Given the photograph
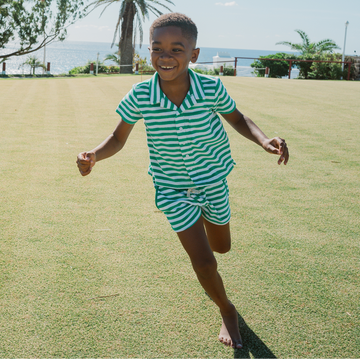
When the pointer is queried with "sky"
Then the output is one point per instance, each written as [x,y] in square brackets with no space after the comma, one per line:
[240,24]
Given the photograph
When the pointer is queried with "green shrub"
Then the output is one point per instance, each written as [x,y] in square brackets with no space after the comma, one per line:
[278,69]
[101,69]
[331,71]
[203,72]
[305,67]
[228,71]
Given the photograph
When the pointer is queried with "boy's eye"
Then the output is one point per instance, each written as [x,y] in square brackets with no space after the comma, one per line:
[156,49]
[177,50]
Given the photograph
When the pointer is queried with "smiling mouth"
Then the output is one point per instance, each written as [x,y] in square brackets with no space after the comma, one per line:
[166,68]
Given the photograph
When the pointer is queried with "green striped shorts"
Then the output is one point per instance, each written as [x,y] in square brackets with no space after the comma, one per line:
[183,207]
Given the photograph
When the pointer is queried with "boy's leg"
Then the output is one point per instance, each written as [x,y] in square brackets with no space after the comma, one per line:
[218,236]
[196,244]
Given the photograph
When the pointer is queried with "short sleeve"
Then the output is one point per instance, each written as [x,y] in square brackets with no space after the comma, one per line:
[223,103]
[128,108]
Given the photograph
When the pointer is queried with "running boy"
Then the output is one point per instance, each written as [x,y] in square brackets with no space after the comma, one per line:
[189,152]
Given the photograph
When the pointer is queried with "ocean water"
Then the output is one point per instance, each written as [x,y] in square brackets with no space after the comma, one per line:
[63,56]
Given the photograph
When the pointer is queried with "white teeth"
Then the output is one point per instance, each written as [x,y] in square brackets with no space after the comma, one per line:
[167,67]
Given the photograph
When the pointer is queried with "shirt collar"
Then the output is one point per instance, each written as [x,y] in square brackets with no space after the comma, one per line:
[196,90]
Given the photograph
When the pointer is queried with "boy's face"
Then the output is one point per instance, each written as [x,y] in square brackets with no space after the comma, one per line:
[171,53]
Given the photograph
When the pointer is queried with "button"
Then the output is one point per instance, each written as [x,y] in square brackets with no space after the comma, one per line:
[181,129]
[187,156]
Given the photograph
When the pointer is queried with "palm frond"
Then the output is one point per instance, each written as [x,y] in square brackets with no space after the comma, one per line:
[154,10]
[327,43]
[304,37]
[139,26]
[142,6]
[287,43]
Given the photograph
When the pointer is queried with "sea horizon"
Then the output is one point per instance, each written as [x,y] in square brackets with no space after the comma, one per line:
[64,56]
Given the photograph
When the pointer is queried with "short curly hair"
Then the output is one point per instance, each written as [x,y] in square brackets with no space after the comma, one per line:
[187,26]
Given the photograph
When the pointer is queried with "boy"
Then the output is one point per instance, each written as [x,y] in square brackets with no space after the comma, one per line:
[189,152]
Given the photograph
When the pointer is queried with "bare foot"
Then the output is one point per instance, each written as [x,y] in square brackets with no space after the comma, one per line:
[229,332]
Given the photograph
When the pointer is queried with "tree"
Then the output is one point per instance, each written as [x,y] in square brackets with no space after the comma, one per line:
[34,63]
[34,24]
[306,47]
[130,11]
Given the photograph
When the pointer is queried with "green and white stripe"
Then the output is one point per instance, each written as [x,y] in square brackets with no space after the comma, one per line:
[188,146]
[184,207]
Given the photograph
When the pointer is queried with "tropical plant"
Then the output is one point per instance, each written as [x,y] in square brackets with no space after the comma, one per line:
[278,68]
[306,47]
[34,63]
[102,68]
[130,11]
[34,24]
[114,57]
[144,66]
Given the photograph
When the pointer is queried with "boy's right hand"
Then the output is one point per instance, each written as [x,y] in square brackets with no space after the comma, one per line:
[85,162]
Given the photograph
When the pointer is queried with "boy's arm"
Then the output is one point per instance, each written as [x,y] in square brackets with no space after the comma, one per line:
[243,125]
[113,144]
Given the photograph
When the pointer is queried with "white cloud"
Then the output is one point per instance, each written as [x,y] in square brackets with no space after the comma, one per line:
[232,3]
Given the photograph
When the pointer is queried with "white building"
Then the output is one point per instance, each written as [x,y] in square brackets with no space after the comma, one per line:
[223,58]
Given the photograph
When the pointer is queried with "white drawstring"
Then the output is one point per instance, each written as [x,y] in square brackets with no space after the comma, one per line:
[193,190]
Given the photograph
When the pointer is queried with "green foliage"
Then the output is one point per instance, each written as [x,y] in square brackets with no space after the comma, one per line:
[102,68]
[328,70]
[305,67]
[203,72]
[34,63]
[278,69]
[114,57]
[144,66]
[307,47]
[131,15]
[228,71]
[35,24]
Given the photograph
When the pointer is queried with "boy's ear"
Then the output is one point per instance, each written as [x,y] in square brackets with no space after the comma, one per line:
[195,55]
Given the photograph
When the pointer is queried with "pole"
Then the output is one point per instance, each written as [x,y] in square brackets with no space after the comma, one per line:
[267,71]
[44,59]
[343,54]
[221,72]
[235,66]
[290,64]
[97,63]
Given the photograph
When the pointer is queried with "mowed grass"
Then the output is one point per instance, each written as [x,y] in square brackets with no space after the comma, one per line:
[91,268]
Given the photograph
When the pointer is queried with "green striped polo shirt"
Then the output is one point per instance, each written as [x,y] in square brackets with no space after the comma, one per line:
[188,145]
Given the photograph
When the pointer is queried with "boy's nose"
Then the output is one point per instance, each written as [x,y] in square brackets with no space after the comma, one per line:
[165,55]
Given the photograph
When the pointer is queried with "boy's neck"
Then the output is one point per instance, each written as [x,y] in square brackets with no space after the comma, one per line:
[177,89]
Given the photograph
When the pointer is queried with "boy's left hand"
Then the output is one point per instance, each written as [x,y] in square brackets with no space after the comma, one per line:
[277,146]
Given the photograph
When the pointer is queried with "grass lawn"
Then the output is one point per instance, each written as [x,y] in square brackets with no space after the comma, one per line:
[90,268]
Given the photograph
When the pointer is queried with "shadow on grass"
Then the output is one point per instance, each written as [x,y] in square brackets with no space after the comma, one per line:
[252,344]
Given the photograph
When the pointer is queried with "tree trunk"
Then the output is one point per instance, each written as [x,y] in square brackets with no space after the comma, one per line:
[126,45]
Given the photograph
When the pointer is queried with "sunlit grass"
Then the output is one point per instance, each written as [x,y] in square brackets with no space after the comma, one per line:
[90,268]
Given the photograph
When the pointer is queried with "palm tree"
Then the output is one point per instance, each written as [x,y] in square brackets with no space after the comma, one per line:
[306,47]
[130,11]
[33,62]
[114,57]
